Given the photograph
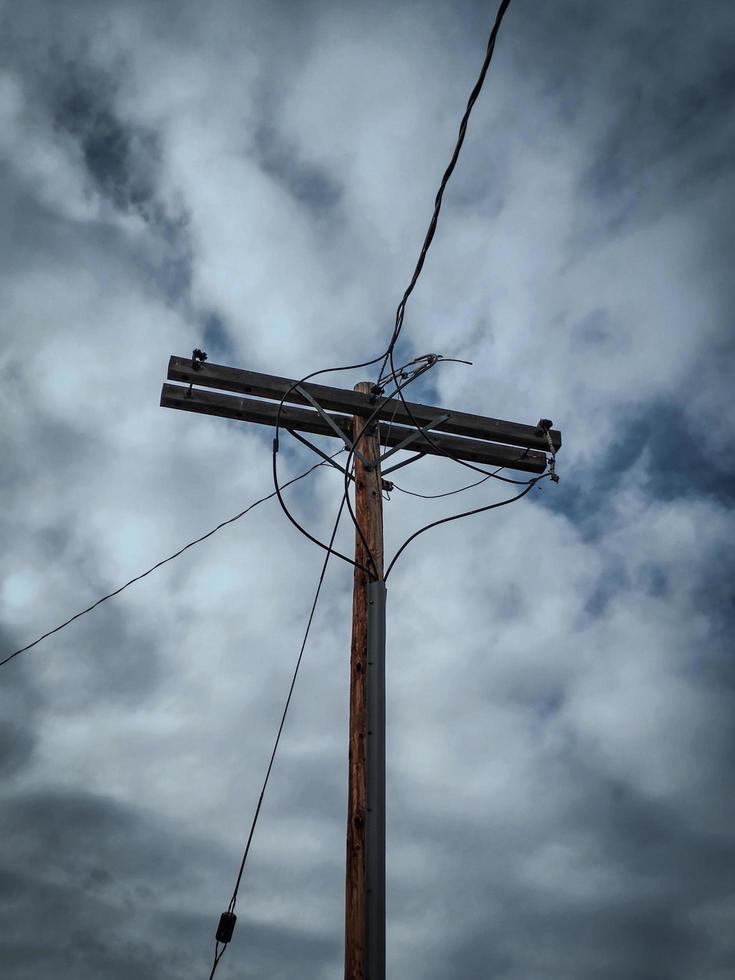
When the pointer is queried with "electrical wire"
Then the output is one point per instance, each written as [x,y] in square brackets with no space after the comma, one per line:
[233,901]
[431,360]
[468,513]
[392,419]
[276,446]
[442,451]
[164,561]
[387,357]
[449,493]
[217,957]
[400,312]
[348,464]
[529,484]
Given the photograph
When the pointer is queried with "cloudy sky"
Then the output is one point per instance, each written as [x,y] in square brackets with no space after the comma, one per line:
[255,178]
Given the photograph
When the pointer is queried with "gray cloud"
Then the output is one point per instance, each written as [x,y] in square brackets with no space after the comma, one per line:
[258,181]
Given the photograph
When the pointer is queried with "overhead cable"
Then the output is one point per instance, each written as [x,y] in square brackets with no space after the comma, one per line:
[227,920]
[400,312]
[468,513]
[387,356]
[448,493]
[430,360]
[164,561]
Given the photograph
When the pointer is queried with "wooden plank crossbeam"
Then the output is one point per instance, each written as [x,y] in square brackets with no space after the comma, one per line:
[250,410]
[356,403]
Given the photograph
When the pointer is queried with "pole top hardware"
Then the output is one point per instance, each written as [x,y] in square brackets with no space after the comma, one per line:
[198,357]
[215,389]
[544,429]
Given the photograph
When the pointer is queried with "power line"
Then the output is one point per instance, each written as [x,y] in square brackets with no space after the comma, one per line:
[388,354]
[468,513]
[448,493]
[164,561]
[229,916]
[527,484]
[431,360]
[400,312]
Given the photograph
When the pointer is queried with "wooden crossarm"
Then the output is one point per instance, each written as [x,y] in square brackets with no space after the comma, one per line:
[264,412]
[356,403]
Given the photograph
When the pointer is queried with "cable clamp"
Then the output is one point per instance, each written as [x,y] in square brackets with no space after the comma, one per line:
[198,357]
[544,427]
[226,927]
[330,420]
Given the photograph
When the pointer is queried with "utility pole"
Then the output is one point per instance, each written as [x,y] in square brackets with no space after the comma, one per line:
[365,878]
[422,430]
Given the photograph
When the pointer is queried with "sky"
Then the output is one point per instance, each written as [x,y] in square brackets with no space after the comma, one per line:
[255,179]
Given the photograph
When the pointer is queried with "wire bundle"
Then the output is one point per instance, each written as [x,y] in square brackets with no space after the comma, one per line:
[398,376]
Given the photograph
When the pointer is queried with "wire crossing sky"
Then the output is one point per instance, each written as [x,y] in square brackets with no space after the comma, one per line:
[153,568]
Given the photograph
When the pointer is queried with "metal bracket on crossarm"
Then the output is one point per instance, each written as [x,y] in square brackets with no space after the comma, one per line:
[411,437]
[406,462]
[333,425]
[544,428]
[317,450]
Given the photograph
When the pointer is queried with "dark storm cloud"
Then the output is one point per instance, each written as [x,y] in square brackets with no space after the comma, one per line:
[16,746]
[91,884]
[20,704]
[648,89]
[619,881]
[113,657]
[216,338]
[270,948]
[123,160]
[43,230]
[309,184]
[107,899]
[120,159]
[679,114]
[74,102]
[663,447]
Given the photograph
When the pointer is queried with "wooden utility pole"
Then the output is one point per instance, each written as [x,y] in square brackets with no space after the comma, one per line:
[369,514]
[419,429]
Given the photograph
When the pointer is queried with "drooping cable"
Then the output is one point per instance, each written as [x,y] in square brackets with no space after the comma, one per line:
[448,493]
[276,446]
[529,484]
[400,313]
[468,513]
[442,451]
[164,561]
[429,360]
[233,901]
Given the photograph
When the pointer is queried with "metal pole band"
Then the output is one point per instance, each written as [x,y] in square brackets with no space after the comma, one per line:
[375,786]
